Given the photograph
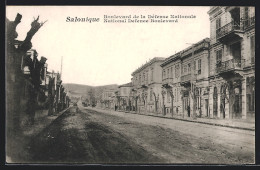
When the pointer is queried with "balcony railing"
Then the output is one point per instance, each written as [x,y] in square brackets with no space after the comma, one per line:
[144,83]
[249,22]
[186,77]
[228,28]
[228,65]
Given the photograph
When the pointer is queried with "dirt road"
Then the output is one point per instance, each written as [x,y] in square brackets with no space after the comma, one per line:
[107,137]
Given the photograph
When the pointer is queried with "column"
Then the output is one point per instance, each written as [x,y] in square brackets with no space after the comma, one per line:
[219,101]
[244,105]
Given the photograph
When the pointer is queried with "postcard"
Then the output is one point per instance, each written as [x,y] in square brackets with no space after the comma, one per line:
[124,85]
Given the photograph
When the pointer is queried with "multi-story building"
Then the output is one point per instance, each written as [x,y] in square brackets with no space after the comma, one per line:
[146,90]
[171,75]
[185,81]
[232,62]
[194,79]
[107,98]
[123,95]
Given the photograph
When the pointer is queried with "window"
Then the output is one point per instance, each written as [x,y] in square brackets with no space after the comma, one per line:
[252,48]
[218,57]
[189,69]
[171,75]
[152,74]
[199,66]
[147,76]
[168,97]
[246,16]
[175,92]
[177,71]
[195,65]
[163,73]
[218,23]
[198,98]
[168,71]
[185,69]
[172,72]
[151,95]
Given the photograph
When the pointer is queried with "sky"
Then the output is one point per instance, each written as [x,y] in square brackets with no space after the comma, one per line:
[101,53]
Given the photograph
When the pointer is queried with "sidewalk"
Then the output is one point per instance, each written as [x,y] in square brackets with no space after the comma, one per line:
[42,120]
[231,123]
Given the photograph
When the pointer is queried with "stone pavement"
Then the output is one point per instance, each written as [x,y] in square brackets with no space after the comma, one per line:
[232,123]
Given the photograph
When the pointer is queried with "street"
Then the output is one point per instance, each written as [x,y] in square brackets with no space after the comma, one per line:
[90,136]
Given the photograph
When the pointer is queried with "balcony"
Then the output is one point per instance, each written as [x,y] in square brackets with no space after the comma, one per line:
[228,68]
[166,82]
[186,78]
[229,31]
[144,84]
[248,23]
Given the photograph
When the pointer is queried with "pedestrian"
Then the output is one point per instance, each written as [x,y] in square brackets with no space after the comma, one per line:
[188,109]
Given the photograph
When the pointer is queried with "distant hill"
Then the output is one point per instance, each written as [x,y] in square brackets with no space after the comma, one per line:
[78,90]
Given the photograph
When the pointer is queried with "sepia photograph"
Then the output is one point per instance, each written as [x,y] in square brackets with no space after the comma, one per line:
[130,85]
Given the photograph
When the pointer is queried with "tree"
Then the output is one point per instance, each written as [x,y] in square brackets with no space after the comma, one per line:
[156,99]
[14,57]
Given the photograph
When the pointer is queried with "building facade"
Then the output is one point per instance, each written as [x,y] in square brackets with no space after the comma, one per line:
[107,99]
[123,96]
[185,81]
[146,90]
[232,62]
[213,78]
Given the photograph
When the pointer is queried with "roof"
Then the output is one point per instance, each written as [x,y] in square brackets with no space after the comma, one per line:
[171,59]
[185,52]
[155,59]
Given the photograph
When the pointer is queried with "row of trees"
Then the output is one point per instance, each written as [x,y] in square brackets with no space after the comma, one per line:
[24,92]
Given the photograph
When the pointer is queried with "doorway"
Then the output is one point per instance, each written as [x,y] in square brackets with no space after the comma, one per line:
[235,50]
[207,107]
[215,102]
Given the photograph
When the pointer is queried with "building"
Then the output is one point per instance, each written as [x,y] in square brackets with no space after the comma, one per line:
[171,75]
[124,97]
[107,99]
[146,90]
[232,62]
[185,79]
